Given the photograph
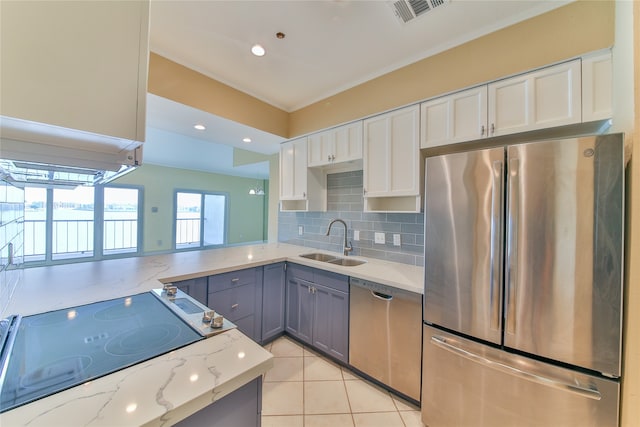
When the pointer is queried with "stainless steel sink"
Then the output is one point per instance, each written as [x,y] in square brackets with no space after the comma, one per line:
[347,262]
[319,257]
[332,259]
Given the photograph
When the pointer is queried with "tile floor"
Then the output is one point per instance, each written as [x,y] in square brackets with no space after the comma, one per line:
[303,389]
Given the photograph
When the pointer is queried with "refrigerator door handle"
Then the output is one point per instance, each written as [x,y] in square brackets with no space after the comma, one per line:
[512,245]
[575,388]
[496,239]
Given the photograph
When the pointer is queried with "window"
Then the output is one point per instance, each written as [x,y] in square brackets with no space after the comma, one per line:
[201,219]
[85,222]
[120,220]
[73,220]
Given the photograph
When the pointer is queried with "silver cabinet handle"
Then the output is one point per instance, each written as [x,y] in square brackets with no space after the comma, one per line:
[234,306]
[235,280]
[496,240]
[493,128]
[482,130]
[575,388]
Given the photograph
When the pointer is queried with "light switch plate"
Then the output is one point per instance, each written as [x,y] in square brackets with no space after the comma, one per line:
[356,235]
[396,240]
[300,230]
[379,238]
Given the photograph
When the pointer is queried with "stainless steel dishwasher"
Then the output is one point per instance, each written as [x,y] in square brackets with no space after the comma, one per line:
[385,335]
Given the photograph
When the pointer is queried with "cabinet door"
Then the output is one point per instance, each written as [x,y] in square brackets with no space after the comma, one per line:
[541,99]
[459,117]
[597,85]
[293,170]
[273,300]
[331,322]
[299,308]
[347,143]
[391,154]
[320,148]
[92,57]
[306,311]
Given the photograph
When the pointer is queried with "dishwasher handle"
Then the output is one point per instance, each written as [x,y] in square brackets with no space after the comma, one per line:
[380,295]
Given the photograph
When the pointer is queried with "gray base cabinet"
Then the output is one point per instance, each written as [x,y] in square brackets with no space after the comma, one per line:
[242,408]
[237,295]
[273,299]
[317,309]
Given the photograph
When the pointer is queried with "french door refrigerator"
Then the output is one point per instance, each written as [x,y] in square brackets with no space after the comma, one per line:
[523,284]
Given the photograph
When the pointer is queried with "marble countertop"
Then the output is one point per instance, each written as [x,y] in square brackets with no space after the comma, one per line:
[67,285]
[158,392]
[166,389]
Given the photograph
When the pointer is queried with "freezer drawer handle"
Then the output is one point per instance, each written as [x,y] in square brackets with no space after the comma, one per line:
[550,382]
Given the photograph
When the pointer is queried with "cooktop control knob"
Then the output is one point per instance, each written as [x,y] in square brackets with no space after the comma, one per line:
[207,316]
[218,321]
[171,291]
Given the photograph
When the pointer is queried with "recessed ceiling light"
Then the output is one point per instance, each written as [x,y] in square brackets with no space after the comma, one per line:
[199,127]
[257,50]
[246,139]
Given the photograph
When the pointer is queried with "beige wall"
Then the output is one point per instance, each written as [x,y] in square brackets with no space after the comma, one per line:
[173,81]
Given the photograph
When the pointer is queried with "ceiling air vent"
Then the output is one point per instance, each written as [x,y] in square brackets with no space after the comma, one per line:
[407,10]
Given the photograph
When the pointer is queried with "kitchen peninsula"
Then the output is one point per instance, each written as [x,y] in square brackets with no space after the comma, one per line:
[168,388]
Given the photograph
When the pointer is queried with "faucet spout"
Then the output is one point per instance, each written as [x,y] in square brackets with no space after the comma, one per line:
[347,246]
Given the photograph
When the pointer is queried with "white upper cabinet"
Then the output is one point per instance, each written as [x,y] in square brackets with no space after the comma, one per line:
[80,65]
[597,85]
[541,99]
[391,161]
[458,117]
[301,188]
[336,146]
[293,170]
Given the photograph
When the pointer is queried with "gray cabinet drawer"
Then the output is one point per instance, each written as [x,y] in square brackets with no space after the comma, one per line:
[234,303]
[223,281]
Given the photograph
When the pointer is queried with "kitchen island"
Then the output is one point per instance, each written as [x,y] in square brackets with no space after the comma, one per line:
[168,388]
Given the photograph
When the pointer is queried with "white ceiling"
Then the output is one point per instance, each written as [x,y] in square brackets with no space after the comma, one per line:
[329,46]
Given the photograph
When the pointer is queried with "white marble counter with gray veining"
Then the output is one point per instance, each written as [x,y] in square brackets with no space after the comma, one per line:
[168,388]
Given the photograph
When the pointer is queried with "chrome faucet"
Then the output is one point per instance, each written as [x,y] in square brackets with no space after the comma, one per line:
[347,246]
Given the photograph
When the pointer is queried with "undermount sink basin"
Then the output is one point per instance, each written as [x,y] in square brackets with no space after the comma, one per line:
[319,257]
[332,259]
[347,262]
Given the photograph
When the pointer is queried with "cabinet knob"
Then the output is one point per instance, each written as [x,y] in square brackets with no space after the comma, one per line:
[364,191]
[482,130]
[328,157]
[333,157]
[304,194]
[493,128]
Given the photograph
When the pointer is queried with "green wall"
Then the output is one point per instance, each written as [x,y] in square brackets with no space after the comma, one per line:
[247,216]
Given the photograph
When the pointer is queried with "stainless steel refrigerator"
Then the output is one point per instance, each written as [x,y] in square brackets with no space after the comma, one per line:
[523,284]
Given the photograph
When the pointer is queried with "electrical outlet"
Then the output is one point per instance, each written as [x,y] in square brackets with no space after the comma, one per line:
[356,235]
[300,230]
[379,238]
[396,240]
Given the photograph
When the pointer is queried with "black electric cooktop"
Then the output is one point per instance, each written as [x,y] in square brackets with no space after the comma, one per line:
[60,349]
